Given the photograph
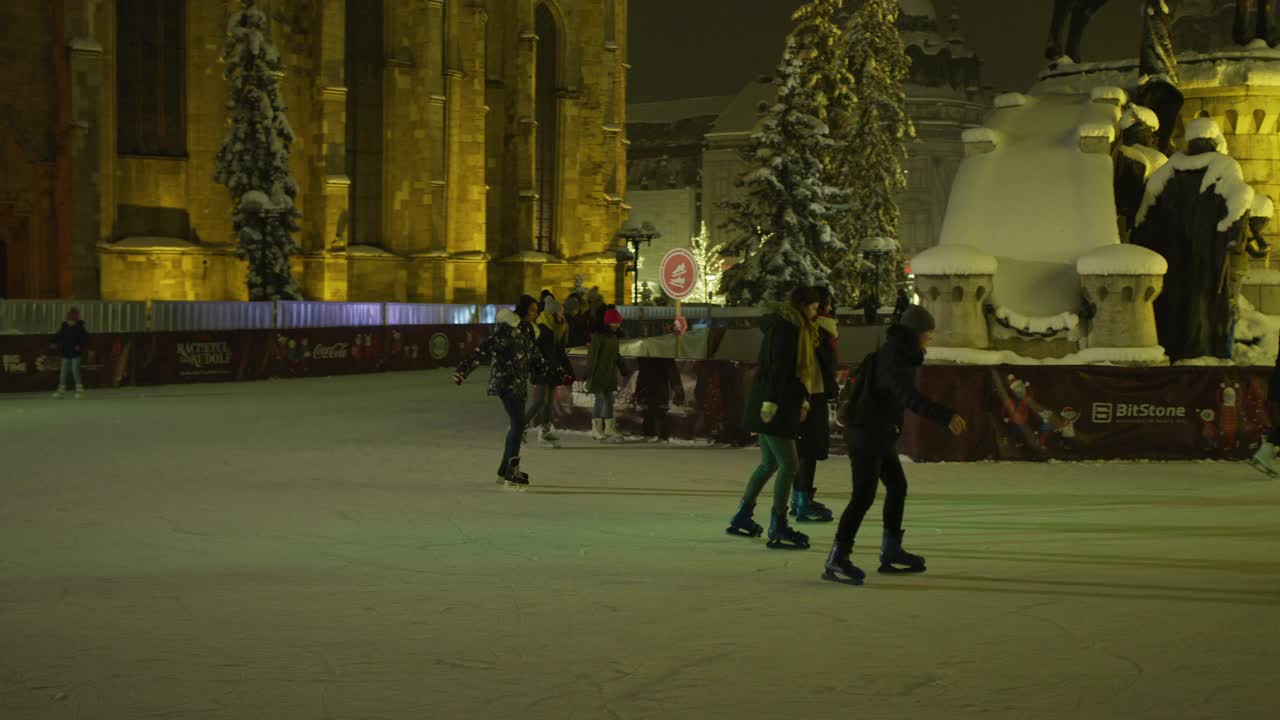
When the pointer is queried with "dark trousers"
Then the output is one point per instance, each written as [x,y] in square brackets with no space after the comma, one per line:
[869,470]
[514,405]
[805,473]
[1273,410]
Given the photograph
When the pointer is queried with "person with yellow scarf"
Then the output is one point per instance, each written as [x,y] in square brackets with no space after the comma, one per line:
[814,439]
[777,406]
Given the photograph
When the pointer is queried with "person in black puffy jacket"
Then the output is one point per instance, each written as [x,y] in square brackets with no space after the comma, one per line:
[553,334]
[71,341]
[513,358]
[873,423]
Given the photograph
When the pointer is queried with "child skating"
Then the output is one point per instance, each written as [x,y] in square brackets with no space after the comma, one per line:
[71,340]
[1265,459]
[873,423]
[604,365]
[513,357]
[777,406]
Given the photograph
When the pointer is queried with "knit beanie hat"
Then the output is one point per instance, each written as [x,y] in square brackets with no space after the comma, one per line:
[612,316]
[550,306]
[917,320]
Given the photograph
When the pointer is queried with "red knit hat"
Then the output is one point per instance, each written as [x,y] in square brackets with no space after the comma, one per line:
[612,317]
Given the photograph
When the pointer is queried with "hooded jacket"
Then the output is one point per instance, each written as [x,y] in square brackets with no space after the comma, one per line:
[776,380]
[71,339]
[874,424]
[512,354]
[604,361]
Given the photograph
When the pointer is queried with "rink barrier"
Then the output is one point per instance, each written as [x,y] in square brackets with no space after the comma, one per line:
[1014,412]
[26,317]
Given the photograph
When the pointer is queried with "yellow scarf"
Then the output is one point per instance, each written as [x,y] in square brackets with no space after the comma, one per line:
[558,326]
[806,356]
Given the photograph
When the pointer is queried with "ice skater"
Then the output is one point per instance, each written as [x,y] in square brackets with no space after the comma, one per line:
[553,334]
[777,406]
[71,340]
[604,365]
[873,423]
[513,356]
[1265,458]
[813,443]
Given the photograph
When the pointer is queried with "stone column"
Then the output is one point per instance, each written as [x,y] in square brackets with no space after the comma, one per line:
[1122,284]
[954,283]
[325,273]
[85,139]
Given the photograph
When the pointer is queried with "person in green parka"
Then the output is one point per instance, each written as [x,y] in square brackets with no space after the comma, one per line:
[787,374]
[604,365]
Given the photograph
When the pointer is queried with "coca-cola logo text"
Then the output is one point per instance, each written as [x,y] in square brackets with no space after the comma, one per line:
[336,351]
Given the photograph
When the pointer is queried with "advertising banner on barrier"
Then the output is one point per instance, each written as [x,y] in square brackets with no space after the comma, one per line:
[192,357]
[321,352]
[30,363]
[1095,413]
[427,347]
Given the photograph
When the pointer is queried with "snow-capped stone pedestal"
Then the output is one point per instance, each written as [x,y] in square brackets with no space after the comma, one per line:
[954,282]
[1122,283]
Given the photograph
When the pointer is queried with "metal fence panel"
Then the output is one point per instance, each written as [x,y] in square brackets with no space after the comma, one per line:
[34,317]
[488,314]
[423,314]
[328,314]
[735,312]
[195,316]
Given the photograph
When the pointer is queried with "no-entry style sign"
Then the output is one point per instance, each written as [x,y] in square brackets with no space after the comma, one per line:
[678,274]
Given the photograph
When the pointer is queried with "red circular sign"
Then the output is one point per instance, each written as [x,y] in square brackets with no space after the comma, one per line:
[679,326]
[678,274]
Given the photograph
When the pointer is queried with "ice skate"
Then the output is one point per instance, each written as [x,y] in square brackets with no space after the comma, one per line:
[549,433]
[806,509]
[1265,460]
[79,392]
[597,429]
[893,559]
[742,524]
[783,537]
[59,393]
[839,568]
[611,433]
[514,478]
[547,440]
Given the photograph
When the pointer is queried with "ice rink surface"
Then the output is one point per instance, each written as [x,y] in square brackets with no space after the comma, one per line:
[338,548]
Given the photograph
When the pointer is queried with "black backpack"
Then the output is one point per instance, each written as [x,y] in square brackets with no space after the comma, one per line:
[857,388]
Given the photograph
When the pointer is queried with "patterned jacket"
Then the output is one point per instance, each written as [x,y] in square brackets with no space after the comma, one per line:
[513,357]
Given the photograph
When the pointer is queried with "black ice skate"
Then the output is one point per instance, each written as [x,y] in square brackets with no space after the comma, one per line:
[783,537]
[839,568]
[742,524]
[805,509]
[511,475]
[893,559]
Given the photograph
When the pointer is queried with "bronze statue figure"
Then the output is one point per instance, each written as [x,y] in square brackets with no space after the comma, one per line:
[1073,16]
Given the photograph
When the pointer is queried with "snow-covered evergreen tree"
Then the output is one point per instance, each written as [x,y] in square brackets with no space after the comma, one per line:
[819,39]
[254,159]
[872,151]
[780,227]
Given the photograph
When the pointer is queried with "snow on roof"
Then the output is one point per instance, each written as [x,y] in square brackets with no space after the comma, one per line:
[918,8]
[953,260]
[980,135]
[742,114]
[1009,100]
[1227,68]
[1036,203]
[153,243]
[1097,130]
[672,111]
[1135,113]
[1222,175]
[1109,93]
[1122,260]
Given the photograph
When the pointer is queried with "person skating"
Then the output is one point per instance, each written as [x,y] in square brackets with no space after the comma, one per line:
[71,340]
[873,423]
[777,406]
[1265,458]
[604,365]
[813,443]
[513,357]
[553,334]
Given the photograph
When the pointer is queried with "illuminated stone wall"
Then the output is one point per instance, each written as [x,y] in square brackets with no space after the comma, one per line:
[454,189]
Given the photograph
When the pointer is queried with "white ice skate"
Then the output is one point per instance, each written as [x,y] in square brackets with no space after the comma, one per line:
[79,392]
[611,433]
[1265,460]
[547,440]
[597,429]
[59,393]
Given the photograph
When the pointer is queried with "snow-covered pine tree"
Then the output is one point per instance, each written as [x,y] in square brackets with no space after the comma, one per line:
[873,149]
[254,159]
[780,226]
[819,38]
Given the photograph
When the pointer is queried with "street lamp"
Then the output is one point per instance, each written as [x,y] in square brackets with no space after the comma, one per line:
[636,235]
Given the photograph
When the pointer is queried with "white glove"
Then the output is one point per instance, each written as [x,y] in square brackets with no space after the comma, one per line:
[768,410]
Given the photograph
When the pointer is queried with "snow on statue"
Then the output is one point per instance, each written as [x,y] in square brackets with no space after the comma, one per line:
[254,159]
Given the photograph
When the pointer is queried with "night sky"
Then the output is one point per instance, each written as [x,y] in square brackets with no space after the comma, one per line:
[691,48]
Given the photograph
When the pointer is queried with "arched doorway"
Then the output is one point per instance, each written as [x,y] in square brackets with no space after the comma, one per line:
[546,82]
